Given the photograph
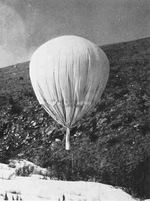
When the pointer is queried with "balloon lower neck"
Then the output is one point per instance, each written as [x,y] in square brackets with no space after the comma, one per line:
[68,139]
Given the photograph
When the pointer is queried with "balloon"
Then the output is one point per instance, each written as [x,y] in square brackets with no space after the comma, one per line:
[68,75]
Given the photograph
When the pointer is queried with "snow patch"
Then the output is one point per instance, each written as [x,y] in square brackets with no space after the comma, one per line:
[33,188]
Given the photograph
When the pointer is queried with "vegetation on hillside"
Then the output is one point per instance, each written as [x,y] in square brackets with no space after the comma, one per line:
[110,145]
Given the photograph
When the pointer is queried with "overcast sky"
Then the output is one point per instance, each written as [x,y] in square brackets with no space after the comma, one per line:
[26,24]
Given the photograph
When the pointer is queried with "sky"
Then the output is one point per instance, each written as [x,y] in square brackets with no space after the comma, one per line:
[27,24]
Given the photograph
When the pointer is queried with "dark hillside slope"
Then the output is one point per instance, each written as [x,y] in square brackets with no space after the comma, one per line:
[112,144]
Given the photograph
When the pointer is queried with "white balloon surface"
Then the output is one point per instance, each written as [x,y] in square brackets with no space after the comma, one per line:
[69,75]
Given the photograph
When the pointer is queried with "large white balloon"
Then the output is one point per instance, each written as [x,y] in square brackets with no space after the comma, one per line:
[68,75]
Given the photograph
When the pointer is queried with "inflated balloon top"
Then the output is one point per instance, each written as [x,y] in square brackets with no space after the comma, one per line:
[68,75]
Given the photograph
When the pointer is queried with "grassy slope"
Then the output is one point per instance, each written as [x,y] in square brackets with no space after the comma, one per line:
[116,135]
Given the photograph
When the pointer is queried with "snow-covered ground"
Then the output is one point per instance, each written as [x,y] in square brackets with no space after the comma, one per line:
[35,188]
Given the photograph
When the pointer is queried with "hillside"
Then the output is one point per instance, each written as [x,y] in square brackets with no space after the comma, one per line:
[111,145]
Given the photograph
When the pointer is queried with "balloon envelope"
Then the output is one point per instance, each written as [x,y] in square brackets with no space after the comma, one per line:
[68,75]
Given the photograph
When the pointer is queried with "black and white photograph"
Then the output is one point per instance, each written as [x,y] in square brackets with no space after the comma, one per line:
[75,100]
